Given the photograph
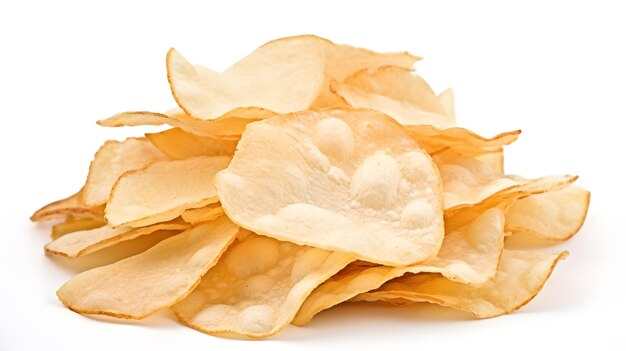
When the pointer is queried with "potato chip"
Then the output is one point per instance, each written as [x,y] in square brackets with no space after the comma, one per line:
[141,285]
[257,288]
[72,224]
[222,128]
[163,190]
[178,144]
[396,92]
[494,160]
[554,215]
[70,206]
[344,180]
[111,161]
[460,140]
[84,242]
[202,214]
[281,76]
[521,275]
[468,255]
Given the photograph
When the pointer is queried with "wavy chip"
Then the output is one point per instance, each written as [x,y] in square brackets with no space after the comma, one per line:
[553,215]
[396,92]
[80,243]
[141,285]
[178,144]
[163,191]
[113,159]
[72,224]
[460,140]
[70,206]
[202,214]
[446,98]
[346,180]
[521,275]
[257,288]
[468,255]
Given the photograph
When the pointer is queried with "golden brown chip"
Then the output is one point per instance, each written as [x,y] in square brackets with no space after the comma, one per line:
[163,191]
[257,288]
[178,144]
[141,285]
[70,206]
[346,180]
[396,92]
[72,224]
[520,277]
[554,215]
[202,214]
[84,242]
[469,255]
[113,159]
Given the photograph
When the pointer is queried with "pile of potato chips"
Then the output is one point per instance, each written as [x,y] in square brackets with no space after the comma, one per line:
[306,175]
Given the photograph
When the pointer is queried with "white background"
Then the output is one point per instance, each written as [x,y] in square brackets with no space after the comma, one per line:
[554,70]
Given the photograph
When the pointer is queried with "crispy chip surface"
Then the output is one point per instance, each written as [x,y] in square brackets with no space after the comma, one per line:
[554,215]
[163,191]
[70,206]
[344,180]
[396,92]
[178,144]
[521,275]
[469,255]
[113,159]
[257,288]
[153,280]
[72,224]
[84,242]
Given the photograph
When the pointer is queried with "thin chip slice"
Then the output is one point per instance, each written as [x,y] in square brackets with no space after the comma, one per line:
[520,277]
[178,144]
[222,128]
[72,224]
[460,140]
[494,160]
[84,242]
[554,215]
[202,214]
[281,76]
[257,288]
[346,180]
[396,92]
[113,159]
[469,255]
[163,191]
[70,206]
[141,285]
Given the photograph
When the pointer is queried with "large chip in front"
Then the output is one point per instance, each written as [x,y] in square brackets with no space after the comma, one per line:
[346,180]
[258,287]
[153,280]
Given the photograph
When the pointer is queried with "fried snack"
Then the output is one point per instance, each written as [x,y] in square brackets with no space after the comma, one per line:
[141,285]
[346,180]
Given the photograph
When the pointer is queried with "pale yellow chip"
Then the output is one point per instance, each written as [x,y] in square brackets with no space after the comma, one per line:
[141,285]
[469,255]
[257,288]
[163,191]
[460,140]
[229,128]
[113,159]
[396,92]
[494,160]
[521,275]
[70,206]
[202,214]
[281,76]
[178,144]
[554,215]
[80,243]
[346,180]
[72,224]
